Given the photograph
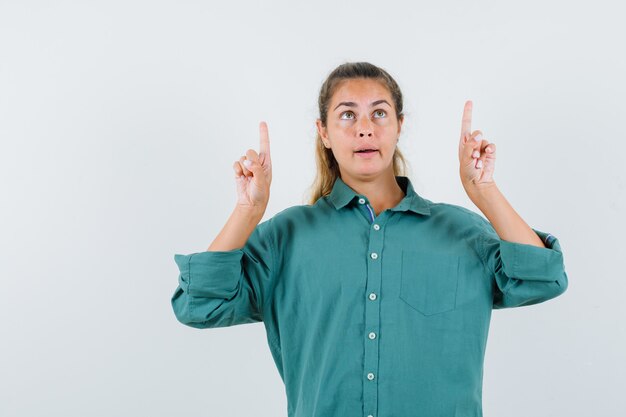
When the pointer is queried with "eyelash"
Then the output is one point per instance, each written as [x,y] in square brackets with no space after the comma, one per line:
[345,112]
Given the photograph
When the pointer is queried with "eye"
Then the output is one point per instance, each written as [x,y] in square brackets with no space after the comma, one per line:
[384,113]
[346,112]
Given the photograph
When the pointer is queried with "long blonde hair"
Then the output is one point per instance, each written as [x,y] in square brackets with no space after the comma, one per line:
[327,167]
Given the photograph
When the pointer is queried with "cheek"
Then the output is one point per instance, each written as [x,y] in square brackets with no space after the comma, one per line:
[389,124]
[337,128]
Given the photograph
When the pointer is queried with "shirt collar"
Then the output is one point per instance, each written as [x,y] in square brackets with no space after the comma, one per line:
[342,194]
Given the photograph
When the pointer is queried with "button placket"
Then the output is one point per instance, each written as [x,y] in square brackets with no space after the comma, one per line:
[372,312]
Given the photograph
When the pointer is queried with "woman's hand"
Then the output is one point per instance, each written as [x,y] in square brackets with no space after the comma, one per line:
[477,156]
[253,174]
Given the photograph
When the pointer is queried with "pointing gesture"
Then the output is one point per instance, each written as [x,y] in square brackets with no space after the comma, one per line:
[253,174]
[477,156]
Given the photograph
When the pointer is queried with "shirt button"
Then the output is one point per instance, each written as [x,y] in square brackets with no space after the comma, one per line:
[376,227]
[370,376]
[361,200]
[372,296]
[372,335]
[374,255]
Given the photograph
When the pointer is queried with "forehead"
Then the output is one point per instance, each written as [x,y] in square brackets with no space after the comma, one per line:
[360,89]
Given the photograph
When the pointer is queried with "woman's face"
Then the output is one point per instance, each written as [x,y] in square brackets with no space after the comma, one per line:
[361,115]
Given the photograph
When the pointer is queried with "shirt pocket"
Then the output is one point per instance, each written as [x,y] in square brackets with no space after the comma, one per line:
[428,281]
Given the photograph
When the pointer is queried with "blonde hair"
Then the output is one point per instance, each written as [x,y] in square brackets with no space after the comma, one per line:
[327,167]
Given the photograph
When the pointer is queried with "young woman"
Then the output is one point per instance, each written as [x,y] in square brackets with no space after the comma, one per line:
[376,300]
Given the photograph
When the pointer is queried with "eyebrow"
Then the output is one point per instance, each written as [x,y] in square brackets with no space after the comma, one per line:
[353,104]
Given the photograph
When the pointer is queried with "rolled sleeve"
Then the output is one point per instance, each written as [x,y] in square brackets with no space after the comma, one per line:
[224,288]
[524,274]
[210,274]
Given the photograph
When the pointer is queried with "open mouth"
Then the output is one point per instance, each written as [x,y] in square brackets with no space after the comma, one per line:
[367,151]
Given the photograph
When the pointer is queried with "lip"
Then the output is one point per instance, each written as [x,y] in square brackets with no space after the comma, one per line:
[367,154]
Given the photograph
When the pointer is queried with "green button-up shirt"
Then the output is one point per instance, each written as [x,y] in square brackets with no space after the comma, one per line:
[383,316]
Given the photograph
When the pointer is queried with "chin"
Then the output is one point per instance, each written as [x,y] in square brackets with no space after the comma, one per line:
[369,172]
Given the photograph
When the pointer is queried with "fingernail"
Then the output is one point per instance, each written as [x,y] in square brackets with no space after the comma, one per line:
[478,137]
[476,154]
[479,164]
[247,163]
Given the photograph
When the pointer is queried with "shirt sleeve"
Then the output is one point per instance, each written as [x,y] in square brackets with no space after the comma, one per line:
[225,288]
[523,274]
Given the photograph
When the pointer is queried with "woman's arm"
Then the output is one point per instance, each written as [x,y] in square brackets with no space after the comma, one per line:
[524,270]
[477,159]
[225,285]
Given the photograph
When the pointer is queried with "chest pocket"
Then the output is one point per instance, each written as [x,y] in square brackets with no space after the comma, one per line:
[429,281]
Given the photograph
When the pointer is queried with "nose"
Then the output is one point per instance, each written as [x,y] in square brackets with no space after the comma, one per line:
[365,128]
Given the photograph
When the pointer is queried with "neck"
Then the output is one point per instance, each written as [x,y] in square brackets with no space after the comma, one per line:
[383,193]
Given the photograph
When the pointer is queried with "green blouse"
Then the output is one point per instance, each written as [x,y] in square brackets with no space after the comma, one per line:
[371,315]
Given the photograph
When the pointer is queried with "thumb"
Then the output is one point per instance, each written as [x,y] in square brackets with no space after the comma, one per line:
[256,168]
[472,144]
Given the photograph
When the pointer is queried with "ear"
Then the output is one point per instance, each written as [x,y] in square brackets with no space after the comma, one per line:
[400,121]
[321,129]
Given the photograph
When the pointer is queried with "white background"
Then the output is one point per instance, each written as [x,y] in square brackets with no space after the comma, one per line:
[119,125]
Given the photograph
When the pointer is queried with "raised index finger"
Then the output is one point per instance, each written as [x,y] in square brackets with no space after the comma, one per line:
[265,139]
[466,123]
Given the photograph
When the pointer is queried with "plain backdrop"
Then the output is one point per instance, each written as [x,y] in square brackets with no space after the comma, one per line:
[119,125]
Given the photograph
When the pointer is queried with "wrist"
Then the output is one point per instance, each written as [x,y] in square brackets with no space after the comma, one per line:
[252,212]
[481,192]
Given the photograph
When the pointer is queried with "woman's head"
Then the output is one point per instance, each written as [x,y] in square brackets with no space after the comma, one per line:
[360,106]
